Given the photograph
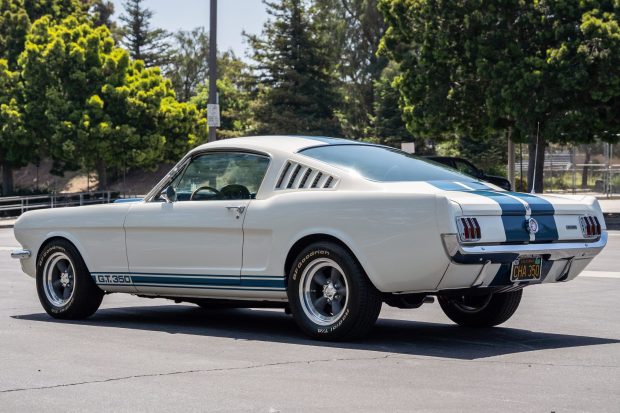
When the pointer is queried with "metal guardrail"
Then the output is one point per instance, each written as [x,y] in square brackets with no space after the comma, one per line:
[16,205]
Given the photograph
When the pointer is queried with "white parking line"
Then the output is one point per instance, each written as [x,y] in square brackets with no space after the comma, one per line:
[600,274]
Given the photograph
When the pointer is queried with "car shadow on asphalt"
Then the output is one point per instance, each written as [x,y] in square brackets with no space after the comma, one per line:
[389,335]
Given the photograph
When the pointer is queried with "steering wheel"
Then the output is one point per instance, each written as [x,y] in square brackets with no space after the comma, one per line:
[235,191]
[217,193]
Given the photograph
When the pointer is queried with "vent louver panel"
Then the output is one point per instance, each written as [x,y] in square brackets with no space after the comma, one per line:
[316,180]
[291,180]
[297,176]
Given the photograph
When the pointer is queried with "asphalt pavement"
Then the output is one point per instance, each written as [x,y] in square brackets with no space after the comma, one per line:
[559,353]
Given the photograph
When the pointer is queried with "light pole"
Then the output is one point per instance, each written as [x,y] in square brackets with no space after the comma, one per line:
[213,109]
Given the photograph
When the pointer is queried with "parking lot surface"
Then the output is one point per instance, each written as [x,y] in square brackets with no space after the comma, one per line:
[560,352]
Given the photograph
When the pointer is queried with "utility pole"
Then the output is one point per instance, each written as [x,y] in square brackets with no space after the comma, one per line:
[213,109]
[511,160]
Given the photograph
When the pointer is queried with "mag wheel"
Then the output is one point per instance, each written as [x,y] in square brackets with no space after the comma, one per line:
[64,285]
[481,310]
[330,296]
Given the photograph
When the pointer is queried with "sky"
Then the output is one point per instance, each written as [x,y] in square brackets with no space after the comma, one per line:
[234,16]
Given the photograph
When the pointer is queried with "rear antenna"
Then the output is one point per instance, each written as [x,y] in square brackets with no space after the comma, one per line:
[535,158]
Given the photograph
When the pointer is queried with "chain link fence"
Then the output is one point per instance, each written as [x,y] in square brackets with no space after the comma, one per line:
[589,169]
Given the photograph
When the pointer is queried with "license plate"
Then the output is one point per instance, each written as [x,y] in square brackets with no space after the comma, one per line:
[526,269]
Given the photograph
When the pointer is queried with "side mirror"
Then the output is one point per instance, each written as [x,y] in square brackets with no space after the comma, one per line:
[170,194]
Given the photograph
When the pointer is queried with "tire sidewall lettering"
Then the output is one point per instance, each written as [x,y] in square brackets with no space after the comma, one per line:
[334,327]
[43,258]
[299,267]
[302,263]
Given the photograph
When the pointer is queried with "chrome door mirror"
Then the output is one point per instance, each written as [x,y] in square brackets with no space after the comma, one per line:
[169,194]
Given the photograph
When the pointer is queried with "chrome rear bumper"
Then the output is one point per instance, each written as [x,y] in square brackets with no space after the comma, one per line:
[20,254]
[467,254]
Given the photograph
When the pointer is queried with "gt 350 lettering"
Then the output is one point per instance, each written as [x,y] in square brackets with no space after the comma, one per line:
[113,279]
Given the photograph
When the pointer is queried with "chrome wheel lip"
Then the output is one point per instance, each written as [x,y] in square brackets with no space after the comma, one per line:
[55,281]
[306,291]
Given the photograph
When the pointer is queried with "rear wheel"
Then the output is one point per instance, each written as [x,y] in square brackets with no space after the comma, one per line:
[64,284]
[481,310]
[329,294]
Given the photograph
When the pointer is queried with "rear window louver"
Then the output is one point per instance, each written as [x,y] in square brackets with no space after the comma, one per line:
[297,176]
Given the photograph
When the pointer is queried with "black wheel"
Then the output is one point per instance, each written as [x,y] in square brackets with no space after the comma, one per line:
[481,310]
[329,294]
[64,284]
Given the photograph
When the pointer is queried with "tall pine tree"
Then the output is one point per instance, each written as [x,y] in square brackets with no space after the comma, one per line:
[143,43]
[296,92]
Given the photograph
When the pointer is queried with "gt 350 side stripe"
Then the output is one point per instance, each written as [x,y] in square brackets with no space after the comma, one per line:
[191,281]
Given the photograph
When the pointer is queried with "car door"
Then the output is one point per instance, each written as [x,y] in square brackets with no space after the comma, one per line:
[194,243]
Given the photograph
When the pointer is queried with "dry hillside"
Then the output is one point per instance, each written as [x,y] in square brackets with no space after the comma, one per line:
[136,182]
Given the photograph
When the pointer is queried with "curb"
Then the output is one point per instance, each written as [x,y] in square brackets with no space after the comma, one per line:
[612,220]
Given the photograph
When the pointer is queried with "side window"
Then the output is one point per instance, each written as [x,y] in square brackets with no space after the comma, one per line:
[221,175]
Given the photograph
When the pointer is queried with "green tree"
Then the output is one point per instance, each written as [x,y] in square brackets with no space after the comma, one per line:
[355,29]
[144,43]
[17,145]
[14,143]
[235,97]
[97,108]
[389,128]
[101,12]
[479,68]
[297,91]
[188,65]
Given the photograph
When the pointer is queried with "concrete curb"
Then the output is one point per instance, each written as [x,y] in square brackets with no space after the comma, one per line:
[612,220]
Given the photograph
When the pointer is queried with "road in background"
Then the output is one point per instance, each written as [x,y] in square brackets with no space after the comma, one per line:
[560,352]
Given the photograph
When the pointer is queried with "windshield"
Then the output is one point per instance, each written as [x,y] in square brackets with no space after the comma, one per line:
[383,164]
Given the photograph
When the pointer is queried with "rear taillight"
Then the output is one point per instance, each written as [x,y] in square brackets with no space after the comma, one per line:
[469,229]
[590,226]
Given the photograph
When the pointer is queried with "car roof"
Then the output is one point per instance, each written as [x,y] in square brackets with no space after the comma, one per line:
[287,143]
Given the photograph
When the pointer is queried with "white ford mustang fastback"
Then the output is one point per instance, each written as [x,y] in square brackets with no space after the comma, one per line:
[327,228]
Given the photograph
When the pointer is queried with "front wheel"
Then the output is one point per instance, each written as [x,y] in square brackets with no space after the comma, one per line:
[481,310]
[64,284]
[330,296]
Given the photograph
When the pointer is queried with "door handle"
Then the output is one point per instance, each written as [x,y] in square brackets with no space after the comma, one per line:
[239,209]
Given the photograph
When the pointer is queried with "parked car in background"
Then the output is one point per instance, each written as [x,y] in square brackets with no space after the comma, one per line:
[468,168]
[328,228]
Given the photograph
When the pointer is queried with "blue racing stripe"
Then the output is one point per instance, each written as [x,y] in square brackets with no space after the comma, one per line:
[454,186]
[146,279]
[197,281]
[513,211]
[513,215]
[509,205]
[539,206]
[542,212]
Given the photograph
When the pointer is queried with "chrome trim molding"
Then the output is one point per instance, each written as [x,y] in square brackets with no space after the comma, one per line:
[20,254]
[558,250]
[482,275]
